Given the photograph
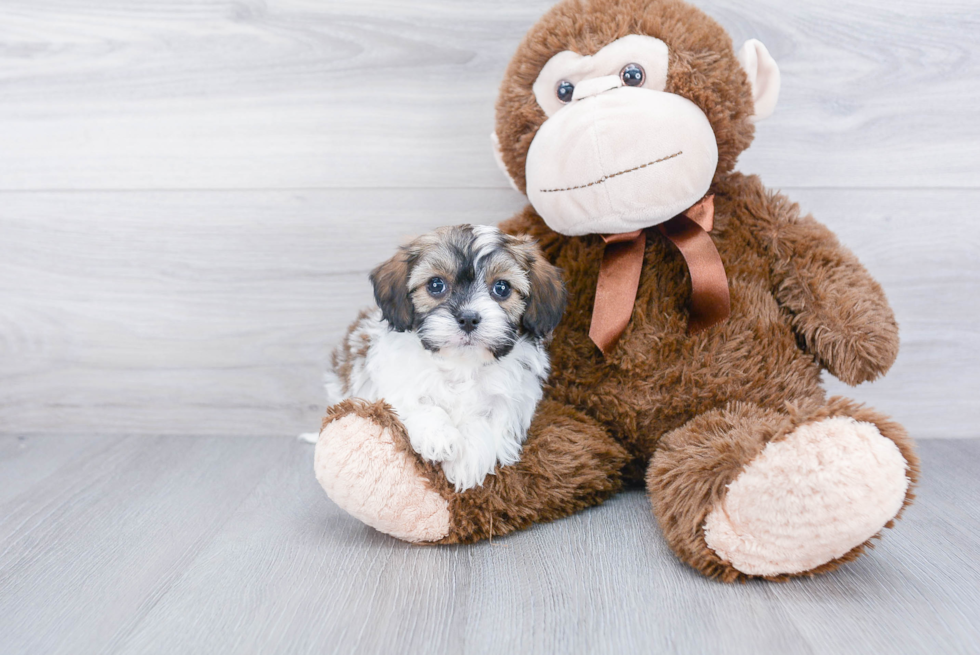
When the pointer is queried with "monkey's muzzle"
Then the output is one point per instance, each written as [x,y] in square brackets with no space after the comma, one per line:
[620,160]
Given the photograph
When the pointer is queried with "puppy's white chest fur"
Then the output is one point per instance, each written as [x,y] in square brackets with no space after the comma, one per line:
[460,406]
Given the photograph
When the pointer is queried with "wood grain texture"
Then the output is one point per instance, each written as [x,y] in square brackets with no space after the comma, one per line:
[26,462]
[87,552]
[215,312]
[223,94]
[230,546]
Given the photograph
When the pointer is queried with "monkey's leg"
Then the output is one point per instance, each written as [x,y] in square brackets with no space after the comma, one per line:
[366,465]
[750,492]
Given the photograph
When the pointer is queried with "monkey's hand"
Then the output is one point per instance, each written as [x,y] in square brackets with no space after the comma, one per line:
[839,310]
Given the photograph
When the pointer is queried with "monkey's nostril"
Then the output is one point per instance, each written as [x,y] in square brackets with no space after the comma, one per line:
[468,321]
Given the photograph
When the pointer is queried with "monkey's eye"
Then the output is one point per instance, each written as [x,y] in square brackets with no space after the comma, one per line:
[500,289]
[564,91]
[436,287]
[632,75]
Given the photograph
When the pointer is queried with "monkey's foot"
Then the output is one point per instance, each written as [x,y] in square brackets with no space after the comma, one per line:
[364,464]
[811,498]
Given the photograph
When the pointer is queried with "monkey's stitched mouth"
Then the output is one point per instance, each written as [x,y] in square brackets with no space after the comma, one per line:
[609,177]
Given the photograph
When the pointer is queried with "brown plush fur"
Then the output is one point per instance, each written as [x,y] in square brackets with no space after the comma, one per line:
[658,377]
[689,412]
[568,463]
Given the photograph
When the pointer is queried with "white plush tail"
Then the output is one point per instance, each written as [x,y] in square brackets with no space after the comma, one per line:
[308,437]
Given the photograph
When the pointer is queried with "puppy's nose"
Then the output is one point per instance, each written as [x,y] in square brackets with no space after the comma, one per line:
[468,320]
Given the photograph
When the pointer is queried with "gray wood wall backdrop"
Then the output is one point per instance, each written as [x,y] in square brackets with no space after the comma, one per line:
[192,191]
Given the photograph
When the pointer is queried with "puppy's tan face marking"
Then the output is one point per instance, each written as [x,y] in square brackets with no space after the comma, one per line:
[439,254]
[470,286]
[426,270]
[503,266]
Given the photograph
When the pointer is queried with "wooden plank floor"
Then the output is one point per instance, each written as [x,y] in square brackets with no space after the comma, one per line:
[228,545]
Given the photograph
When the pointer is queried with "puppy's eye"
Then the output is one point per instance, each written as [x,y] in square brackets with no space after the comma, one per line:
[500,289]
[632,75]
[436,287]
[564,91]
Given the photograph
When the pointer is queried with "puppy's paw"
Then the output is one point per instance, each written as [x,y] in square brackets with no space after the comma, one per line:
[432,434]
[464,473]
[441,446]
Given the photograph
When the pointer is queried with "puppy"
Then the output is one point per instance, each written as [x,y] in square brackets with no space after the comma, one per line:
[457,346]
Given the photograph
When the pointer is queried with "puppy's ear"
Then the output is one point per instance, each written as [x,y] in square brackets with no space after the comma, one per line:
[390,282]
[546,300]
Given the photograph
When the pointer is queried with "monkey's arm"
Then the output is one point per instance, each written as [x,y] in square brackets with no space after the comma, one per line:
[569,463]
[838,309]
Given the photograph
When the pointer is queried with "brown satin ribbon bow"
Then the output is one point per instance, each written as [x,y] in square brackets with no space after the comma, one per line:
[619,275]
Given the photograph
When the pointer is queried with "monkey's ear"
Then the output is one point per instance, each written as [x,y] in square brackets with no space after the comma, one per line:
[763,76]
[499,158]
[390,282]
[546,299]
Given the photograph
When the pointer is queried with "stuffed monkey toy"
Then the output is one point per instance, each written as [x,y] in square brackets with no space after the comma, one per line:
[702,309]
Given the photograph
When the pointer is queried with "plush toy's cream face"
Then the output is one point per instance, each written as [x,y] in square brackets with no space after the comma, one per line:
[618,151]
